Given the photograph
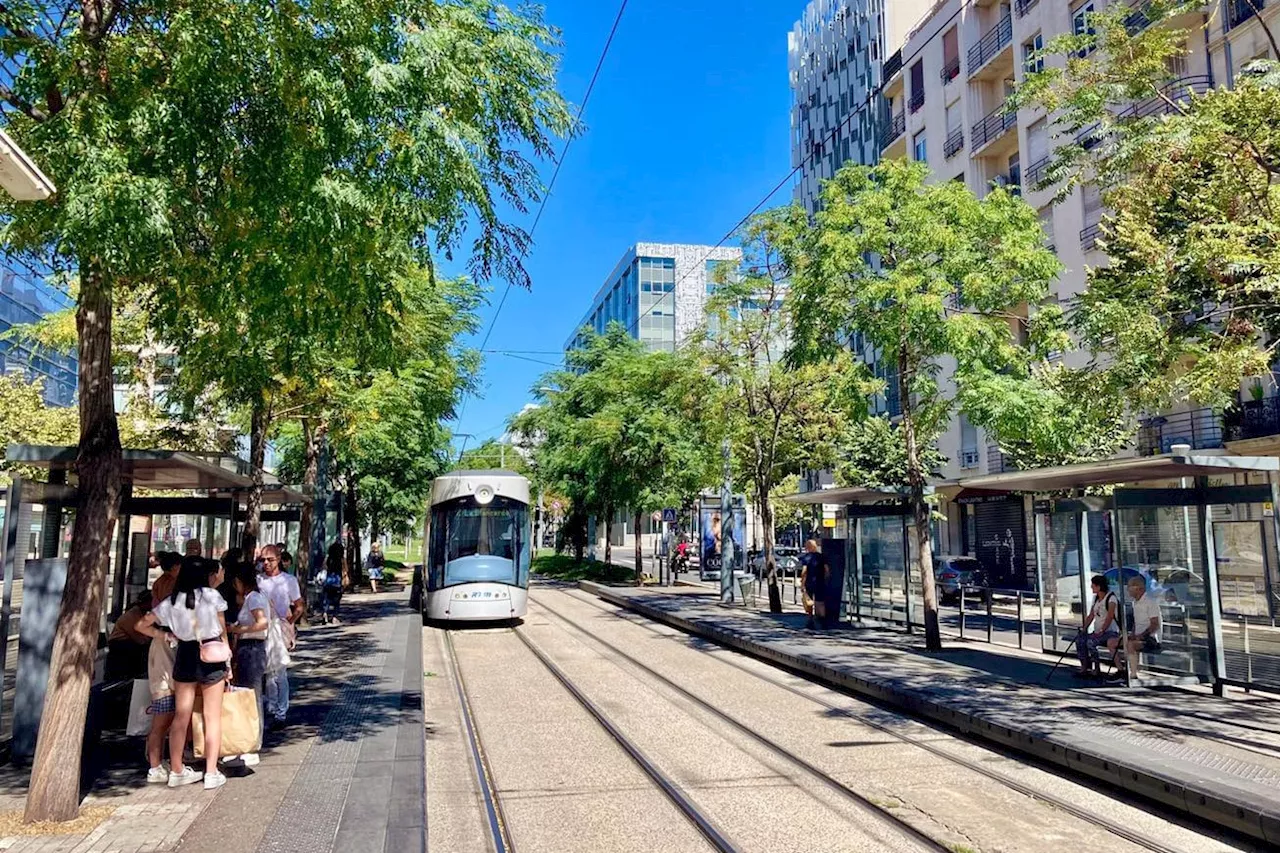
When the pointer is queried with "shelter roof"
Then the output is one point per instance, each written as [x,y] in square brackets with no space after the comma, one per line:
[149,469]
[1201,463]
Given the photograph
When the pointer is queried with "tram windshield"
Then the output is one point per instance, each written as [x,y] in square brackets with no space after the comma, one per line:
[474,543]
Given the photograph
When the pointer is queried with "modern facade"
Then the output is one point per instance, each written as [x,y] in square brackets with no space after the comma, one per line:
[657,291]
[839,52]
[944,105]
[25,297]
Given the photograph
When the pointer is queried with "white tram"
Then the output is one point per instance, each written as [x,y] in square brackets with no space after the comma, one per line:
[479,545]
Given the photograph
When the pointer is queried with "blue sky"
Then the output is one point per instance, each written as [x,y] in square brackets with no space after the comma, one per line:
[687,129]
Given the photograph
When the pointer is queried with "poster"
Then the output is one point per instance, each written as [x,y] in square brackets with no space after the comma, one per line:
[714,533]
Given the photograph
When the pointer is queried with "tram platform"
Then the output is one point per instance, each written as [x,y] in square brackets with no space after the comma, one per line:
[1215,759]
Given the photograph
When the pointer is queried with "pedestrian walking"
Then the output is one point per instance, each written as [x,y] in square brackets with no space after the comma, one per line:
[285,597]
[160,669]
[374,564]
[333,581]
[250,632]
[193,613]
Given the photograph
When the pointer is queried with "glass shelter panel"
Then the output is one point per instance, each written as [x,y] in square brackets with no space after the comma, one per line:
[880,582]
[1160,551]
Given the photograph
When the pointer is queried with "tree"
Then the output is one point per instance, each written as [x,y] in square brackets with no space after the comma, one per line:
[252,159]
[925,273]
[616,429]
[779,418]
[25,419]
[1188,303]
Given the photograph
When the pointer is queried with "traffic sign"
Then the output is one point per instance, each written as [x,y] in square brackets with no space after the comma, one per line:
[669,516]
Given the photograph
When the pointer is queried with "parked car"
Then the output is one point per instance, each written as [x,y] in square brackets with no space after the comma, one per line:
[953,573]
[785,558]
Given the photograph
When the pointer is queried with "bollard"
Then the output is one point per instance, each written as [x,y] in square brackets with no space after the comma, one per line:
[962,611]
[1020,629]
[989,626]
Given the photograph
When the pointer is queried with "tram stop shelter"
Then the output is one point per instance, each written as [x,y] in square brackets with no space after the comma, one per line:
[870,547]
[1198,529]
[169,497]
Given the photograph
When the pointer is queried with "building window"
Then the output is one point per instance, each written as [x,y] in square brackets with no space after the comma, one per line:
[1081,24]
[918,147]
[917,87]
[1032,54]
[1046,223]
[950,55]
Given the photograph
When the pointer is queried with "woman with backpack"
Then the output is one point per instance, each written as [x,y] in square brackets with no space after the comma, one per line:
[374,564]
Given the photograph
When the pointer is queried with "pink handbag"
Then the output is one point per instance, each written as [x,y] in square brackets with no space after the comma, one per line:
[215,650]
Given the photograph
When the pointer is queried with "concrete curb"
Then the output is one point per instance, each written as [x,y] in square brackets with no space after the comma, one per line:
[1150,780]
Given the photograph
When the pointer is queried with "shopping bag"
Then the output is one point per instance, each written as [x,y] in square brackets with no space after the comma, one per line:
[277,648]
[241,727]
[139,722]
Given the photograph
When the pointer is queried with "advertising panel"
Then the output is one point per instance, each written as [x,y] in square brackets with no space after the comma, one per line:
[714,533]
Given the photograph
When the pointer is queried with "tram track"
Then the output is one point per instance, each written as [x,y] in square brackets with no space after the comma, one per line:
[1110,826]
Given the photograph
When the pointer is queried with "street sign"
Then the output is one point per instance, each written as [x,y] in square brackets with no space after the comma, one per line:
[669,516]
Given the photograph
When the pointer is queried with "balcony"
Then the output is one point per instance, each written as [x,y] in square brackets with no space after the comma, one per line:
[1173,93]
[916,102]
[1199,428]
[1025,6]
[990,45]
[1089,236]
[1252,419]
[1036,171]
[892,65]
[970,457]
[895,128]
[1239,11]
[1011,182]
[954,143]
[996,124]
[950,71]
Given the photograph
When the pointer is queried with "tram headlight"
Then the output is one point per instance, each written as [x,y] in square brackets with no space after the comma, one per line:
[484,494]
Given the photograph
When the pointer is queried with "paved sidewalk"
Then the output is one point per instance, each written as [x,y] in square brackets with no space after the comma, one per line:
[346,774]
[1217,759]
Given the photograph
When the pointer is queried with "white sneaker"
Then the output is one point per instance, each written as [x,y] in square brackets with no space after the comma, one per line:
[186,777]
[214,780]
[250,759]
[158,775]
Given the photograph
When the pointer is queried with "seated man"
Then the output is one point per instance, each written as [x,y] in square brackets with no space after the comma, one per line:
[127,647]
[1146,625]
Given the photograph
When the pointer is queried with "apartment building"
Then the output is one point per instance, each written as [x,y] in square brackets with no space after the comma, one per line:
[944,105]
[837,55]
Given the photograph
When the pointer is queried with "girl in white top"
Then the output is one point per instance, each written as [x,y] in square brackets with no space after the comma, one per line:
[193,614]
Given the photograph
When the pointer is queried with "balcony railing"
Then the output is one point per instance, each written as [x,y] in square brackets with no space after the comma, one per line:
[1239,11]
[1171,94]
[1252,419]
[1025,6]
[892,65]
[954,143]
[917,101]
[1089,236]
[1035,172]
[993,126]
[895,128]
[1138,20]
[950,70]
[996,40]
[1199,428]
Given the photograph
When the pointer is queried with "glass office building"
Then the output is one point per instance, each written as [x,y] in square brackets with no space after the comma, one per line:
[25,296]
[656,292]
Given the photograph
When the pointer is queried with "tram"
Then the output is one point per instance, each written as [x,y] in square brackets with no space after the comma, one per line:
[479,545]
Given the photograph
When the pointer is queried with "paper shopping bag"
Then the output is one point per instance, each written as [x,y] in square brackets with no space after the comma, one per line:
[139,720]
[241,729]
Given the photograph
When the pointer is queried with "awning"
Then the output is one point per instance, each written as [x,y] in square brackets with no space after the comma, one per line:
[147,469]
[1203,463]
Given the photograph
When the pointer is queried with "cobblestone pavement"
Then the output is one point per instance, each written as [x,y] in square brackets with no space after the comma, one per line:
[345,775]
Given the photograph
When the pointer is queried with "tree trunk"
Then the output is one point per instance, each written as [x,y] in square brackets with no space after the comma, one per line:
[311,450]
[608,535]
[639,548]
[919,514]
[258,422]
[54,792]
[355,567]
